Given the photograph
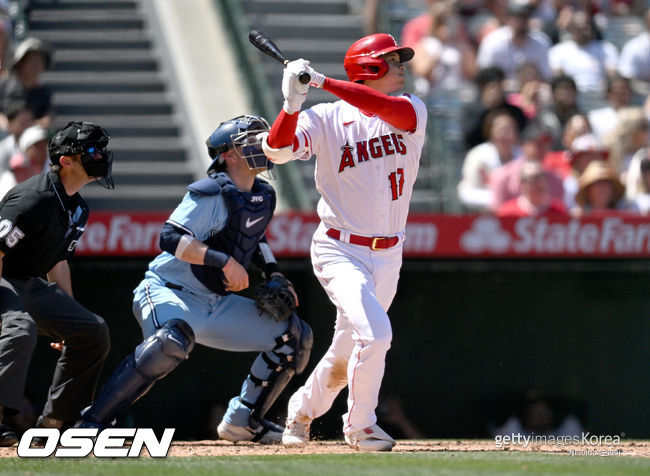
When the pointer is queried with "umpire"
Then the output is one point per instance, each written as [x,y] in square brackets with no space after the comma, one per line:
[41,221]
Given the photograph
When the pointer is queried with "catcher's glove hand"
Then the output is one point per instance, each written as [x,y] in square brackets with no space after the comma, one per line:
[274,297]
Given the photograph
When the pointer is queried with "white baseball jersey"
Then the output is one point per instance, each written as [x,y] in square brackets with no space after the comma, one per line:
[365,168]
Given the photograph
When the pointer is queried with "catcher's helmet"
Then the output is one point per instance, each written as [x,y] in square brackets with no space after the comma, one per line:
[363,59]
[244,134]
[90,141]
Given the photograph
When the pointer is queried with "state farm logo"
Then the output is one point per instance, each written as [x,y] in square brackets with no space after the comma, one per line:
[121,234]
[611,235]
[485,235]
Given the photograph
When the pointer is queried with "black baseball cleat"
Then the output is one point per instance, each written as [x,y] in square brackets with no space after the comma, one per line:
[8,436]
[44,422]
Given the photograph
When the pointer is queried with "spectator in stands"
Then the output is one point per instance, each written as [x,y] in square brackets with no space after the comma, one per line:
[474,188]
[564,94]
[559,161]
[19,118]
[533,93]
[584,150]
[619,95]
[557,28]
[491,97]
[515,44]
[6,34]
[629,135]
[443,59]
[29,161]
[505,182]
[637,189]
[599,190]
[587,60]
[482,17]
[31,58]
[417,28]
[535,198]
[634,61]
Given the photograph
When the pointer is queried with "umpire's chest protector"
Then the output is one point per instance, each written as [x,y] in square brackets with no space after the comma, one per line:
[249,213]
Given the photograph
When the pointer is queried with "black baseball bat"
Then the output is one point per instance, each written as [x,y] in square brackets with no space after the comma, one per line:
[266,45]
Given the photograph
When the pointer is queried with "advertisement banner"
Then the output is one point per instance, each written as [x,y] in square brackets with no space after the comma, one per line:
[427,236]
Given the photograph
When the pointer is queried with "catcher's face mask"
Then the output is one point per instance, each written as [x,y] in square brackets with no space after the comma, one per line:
[248,143]
[244,135]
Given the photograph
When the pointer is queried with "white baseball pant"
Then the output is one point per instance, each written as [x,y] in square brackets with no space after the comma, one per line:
[361,283]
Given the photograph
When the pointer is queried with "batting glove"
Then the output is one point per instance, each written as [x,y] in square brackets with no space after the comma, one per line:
[293,90]
[317,79]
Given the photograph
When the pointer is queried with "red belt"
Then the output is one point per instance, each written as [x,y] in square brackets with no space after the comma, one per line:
[374,242]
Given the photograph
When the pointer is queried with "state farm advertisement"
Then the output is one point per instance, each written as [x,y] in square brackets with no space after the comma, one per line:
[121,234]
[427,236]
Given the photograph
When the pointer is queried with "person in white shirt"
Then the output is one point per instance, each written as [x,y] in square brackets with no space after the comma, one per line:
[619,95]
[444,58]
[587,60]
[634,61]
[474,188]
[515,44]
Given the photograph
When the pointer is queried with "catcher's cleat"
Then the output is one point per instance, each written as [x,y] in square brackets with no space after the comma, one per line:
[295,433]
[267,433]
[8,436]
[370,439]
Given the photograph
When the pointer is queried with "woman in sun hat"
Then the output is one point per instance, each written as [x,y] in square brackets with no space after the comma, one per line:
[599,190]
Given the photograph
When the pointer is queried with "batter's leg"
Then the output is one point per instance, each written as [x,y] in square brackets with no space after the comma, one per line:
[327,379]
[351,287]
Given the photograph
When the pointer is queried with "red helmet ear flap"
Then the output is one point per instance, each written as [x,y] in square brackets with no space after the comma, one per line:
[362,68]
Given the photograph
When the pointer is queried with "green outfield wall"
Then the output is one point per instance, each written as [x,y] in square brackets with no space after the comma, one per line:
[471,338]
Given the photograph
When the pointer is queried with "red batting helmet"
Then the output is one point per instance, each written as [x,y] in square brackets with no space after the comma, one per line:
[363,59]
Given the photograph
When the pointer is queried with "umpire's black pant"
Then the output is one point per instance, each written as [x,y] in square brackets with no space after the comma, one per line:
[32,306]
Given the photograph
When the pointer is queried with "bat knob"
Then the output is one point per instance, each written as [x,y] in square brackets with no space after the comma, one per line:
[304,78]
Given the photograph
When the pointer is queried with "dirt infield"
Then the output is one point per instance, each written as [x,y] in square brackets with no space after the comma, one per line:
[223,448]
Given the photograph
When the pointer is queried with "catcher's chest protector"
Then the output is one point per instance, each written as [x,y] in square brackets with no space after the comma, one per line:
[249,213]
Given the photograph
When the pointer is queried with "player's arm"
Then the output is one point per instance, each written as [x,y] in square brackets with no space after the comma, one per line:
[397,111]
[60,274]
[2,255]
[179,241]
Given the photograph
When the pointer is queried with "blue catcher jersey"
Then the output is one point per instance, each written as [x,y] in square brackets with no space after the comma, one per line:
[217,213]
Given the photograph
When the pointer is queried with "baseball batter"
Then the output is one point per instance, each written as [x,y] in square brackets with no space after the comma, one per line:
[367,149]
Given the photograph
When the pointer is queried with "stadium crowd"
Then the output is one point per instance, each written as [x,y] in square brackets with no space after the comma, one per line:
[544,95]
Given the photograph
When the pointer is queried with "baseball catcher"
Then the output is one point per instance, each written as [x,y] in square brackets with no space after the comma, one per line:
[186,297]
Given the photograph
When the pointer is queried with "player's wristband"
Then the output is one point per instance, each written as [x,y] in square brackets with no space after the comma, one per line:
[215,258]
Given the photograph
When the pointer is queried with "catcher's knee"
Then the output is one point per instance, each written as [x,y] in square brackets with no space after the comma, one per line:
[161,352]
[300,338]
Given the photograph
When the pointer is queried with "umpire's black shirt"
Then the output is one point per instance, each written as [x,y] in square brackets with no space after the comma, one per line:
[39,225]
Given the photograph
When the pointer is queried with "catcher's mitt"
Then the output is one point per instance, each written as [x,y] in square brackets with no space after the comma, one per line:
[273,297]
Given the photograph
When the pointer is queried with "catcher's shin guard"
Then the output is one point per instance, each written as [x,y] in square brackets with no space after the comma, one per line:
[300,339]
[154,358]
